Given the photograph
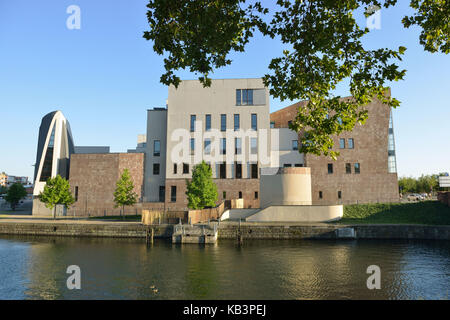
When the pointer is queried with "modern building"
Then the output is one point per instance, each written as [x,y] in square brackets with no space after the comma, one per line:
[229,126]
[8,180]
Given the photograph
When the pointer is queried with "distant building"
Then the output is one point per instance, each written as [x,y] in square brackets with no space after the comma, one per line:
[8,180]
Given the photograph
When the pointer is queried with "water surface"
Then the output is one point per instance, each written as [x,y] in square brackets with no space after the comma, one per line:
[35,268]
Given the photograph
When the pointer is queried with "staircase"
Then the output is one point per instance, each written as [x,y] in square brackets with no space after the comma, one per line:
[198,233]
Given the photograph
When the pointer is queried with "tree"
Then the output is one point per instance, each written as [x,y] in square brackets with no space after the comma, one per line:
[322,49]
[56,191]
[14,194]
[124,194]
[3,190]
[201,190]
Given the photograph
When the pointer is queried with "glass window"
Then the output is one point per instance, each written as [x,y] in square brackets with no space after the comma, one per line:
[287,165]
[289,123]
[173,193]
[156,148]
[392,166]
[223,122]
[250,97]
[351,144]
[254,169]
[174,168]
[236,122]
[224,194]
[185,168]
[76,193]
[223,171]
[320,194]
[339,119]
[330,168]
[207,146]
[207,122]
[357,168]
[156,168]
[254,121]
[193,118]
[295,145]
[238,167]
[162,193]
[237,146]
[272,124]
[256,194]
[223,146]
[192,145]
[348,168]
[254,145]
[240,194]
[238,97]
[340,194]
[342,143]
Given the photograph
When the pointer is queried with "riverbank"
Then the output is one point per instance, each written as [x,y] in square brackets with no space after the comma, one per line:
[227,230]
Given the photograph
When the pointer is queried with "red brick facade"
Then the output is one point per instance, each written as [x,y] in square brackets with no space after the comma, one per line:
[374,183]
[93,180]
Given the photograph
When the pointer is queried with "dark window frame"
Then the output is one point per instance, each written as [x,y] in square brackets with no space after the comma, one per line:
[330,168]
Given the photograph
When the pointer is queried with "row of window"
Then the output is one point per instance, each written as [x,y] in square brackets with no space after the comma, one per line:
[222,170]
[223,146]
[173,194]
[350,145]
[223,122]
[348,168]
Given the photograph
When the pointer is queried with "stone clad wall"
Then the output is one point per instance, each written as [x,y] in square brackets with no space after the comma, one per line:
[444,197]
[374,183]
[96,175]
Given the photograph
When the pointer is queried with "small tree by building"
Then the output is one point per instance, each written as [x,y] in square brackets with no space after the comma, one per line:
[56,192]
[201,190]
[124,194]
[14,194]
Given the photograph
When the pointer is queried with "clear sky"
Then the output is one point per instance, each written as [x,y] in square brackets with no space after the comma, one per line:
[105,75]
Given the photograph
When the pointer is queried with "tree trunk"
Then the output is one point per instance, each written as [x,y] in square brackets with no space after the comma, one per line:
[54,212]
[123,212]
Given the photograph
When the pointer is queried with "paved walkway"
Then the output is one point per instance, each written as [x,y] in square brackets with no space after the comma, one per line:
[65,220]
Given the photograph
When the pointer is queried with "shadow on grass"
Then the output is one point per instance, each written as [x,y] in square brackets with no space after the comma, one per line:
[425,212]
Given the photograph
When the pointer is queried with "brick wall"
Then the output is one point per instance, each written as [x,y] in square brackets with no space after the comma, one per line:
[444,197]
[96,175]
[232,187]
[374,183]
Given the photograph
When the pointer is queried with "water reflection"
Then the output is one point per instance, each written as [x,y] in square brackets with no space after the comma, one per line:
[35,268]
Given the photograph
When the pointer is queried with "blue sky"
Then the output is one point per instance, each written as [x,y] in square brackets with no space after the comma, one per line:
[105,75]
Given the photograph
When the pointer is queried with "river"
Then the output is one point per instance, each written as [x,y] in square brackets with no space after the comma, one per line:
[35,268]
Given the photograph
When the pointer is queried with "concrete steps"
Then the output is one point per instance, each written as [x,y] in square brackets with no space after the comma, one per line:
[198,233]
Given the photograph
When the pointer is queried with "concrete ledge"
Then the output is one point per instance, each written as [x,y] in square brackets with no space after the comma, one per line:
[306,213]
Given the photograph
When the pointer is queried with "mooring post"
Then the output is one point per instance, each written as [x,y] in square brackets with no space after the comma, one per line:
[149,235]
[240,240]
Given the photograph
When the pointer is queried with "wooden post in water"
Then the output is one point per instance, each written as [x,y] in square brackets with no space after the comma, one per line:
[239,237]
[149,236]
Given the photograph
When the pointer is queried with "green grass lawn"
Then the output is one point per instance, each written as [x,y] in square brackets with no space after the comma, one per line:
[425,212]
[119,218]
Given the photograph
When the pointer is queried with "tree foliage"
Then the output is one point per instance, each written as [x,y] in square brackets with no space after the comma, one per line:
[56,191]
[14,194]
[124,194]
[323,49]
[3,190]
[201,190]
[425,183]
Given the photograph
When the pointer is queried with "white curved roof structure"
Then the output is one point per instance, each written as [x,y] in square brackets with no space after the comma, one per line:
[55,145]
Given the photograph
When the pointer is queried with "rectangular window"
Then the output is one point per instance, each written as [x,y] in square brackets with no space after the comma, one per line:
[254,145]
[254,121]
[223,146]
[256,194]
[240,195]
[357,168]
[238,167]
[348,168]
[272,124]
[351,144]
[207,146]
[254,169]
[330,168]
[174,168]
[237,146]
[193,118]
[289,123]
[207,122]
[295,145]
[224,194]
[185,168]
[298,165]
[76,193]
[339,194]
[192,146]
[173,193]
[162,193]
[223,122]
[320,194]
[287,165]
[223,171]
[236,122]
[156,148]
[156,168]
[238,97]
[342,143]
